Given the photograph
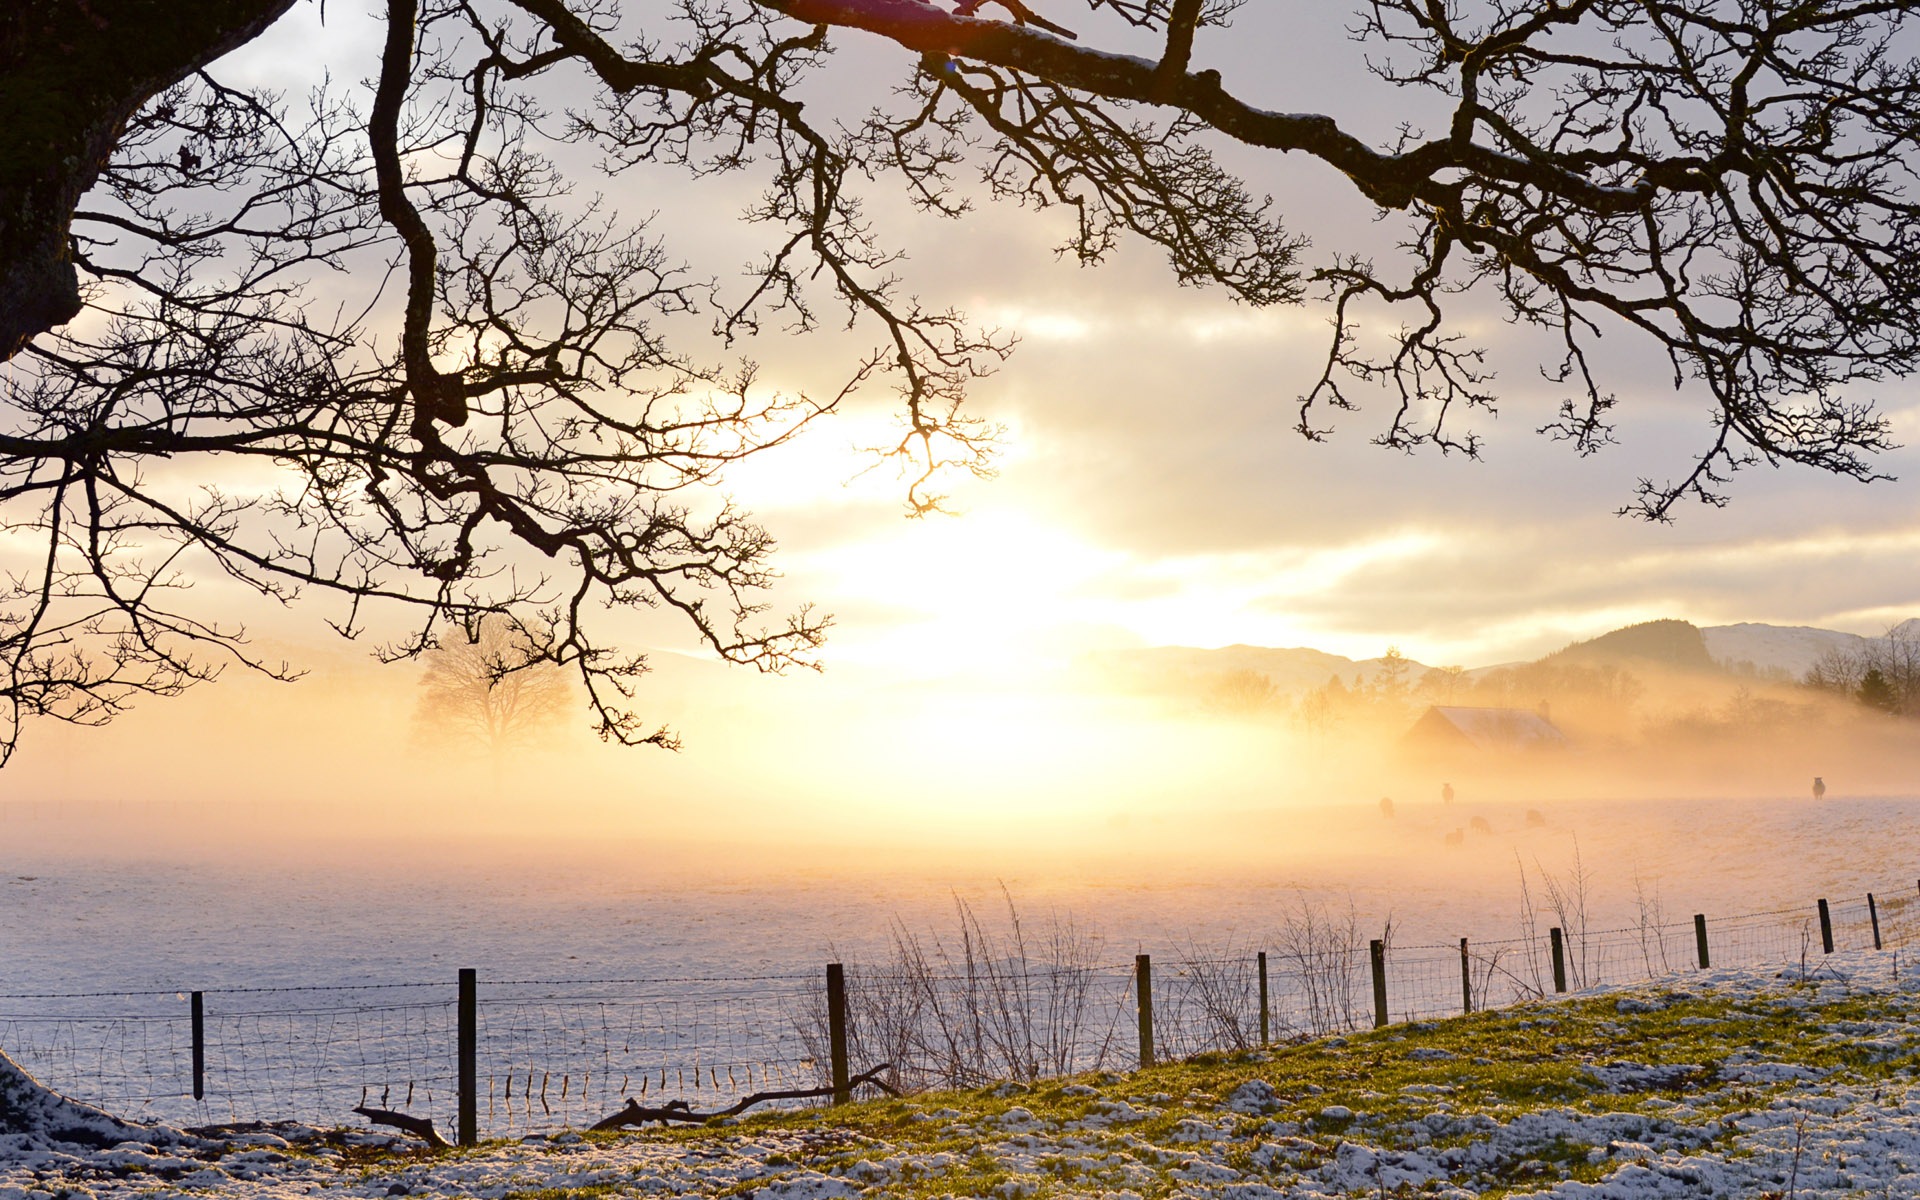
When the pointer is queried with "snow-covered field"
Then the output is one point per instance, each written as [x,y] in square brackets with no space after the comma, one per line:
[1729,1083]
[87,908]
[613,970]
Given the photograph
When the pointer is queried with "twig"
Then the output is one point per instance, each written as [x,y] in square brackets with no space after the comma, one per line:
[1799,1145]
[637,1114]
[420,1127]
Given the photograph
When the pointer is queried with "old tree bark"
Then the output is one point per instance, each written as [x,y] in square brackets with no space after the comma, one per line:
[71,74]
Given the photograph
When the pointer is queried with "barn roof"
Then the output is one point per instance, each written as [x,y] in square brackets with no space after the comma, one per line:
[1486,728]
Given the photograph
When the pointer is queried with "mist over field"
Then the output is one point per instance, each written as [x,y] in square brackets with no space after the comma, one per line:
[1149,803]
[1144,761]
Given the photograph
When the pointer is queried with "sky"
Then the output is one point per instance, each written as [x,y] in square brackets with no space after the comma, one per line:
[1151,491]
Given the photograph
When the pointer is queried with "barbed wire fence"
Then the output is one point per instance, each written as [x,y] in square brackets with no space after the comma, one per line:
[962,1012]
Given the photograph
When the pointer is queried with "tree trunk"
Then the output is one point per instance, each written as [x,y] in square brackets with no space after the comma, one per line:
[29,1107]
[71,74]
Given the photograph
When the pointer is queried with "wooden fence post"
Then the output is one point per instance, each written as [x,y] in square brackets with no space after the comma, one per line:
[1873,915]
[1266,1020]
[1143,983]
[199,1048]
[1559,941]
[469,1054]
[837,1031]
[1466,978]
[1826,927]
[1700,938]
[1377,951]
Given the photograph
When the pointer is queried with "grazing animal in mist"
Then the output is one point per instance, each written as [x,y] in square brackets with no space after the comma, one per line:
[1446,793]
[1480,825]
[1456,837]
[1386,806]
[1819,787]
[1536,817]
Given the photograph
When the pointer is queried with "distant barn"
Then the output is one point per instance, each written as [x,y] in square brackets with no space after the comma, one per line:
[1455,729]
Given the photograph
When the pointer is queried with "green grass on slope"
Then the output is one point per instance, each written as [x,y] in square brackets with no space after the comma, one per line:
[1669,1055]
[1500,1065]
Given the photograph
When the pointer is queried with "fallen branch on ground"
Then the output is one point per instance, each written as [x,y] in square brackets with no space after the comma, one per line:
[678,1110]
[420,1127]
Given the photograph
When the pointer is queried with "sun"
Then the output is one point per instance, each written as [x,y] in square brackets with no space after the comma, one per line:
[987,594]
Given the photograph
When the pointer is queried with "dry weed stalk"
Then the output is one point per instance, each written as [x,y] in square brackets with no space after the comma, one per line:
[976,1006]
[1213,1004]
[1322,954]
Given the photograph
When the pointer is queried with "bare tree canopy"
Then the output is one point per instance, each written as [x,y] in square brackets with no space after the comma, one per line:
[547,385]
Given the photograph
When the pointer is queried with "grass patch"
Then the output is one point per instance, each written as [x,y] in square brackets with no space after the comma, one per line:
[1499,1103]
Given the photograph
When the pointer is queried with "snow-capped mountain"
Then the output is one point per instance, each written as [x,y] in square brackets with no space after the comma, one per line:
[1790,648]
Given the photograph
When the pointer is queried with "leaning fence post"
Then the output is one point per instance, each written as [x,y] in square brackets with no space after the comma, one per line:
[199,1048]
[469,1007]
[1143,983]
[1873,915]
[1826,928]
[1700,937]
[1466,978]
[1266,1023]
[1377,951]
[1559,958]
[837,1031]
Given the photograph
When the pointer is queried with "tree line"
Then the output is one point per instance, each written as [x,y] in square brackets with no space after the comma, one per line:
[1878,675]
[1881,673]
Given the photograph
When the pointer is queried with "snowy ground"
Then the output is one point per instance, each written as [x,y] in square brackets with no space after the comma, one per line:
[1735,1083]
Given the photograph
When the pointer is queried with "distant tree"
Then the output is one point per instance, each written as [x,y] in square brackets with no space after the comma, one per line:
[1892,659]
[1242,693]
[1392,677]
[1877,691]
[1323,709]
[1896,653]
[492,685]
[1746,711]
[1440,684]
[1837,670]
[1604,694]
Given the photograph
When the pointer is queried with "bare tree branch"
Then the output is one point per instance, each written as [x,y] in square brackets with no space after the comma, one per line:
[542,430]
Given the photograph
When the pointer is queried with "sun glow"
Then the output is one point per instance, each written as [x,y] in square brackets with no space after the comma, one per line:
[983,595]
[1006,596]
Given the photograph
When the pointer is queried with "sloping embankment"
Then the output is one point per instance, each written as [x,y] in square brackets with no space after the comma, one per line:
[1728,1083]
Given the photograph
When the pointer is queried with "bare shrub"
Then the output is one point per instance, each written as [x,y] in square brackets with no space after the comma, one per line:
[977,1005]
[1489,971]
[1566,900]
[1651,927]
[1527,979]
[1320,952]
[1213,1003]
